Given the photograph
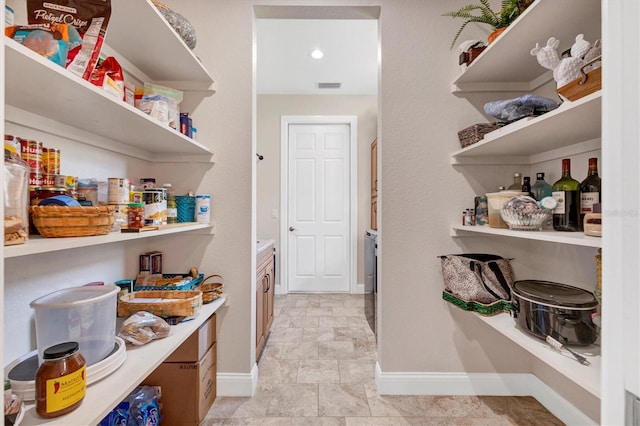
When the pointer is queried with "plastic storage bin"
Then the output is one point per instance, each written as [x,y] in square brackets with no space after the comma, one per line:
[85,314]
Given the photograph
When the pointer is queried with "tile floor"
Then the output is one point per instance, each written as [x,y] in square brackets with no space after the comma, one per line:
[318,366]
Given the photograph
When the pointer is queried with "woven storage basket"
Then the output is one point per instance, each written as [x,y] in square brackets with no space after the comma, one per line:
[475,133]
[211,290]
[66,221]
[163,303]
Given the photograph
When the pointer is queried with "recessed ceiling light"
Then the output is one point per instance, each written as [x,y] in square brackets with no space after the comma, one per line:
[316,54]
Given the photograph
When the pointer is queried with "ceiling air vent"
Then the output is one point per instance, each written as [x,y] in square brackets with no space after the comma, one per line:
[329,85]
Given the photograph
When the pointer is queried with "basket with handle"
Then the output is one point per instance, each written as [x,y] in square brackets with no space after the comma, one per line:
[163,303]
[211,288]
[72,221]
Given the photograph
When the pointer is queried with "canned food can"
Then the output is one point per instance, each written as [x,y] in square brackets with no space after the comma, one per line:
[50,180]
[155,206]
[51,161]
[118,191]
[35,180]
[71,183]
[203,208]
[31,152]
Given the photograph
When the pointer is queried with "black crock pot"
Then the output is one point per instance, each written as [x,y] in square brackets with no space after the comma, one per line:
[561,311]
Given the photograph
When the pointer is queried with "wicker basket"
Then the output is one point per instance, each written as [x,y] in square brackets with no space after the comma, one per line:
[66,221]
[163,303]
[211,290]
[475,133]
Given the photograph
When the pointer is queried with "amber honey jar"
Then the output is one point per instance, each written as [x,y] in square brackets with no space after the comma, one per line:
[135,215]
[61,380]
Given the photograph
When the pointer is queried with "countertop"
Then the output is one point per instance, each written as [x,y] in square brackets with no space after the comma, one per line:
[263,245]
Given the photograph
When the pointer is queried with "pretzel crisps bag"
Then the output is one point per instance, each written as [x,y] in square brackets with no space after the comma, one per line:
[89,17]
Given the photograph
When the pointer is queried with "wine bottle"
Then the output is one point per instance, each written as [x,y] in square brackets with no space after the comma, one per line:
[526,186]
[590,189]
[517,183]
[566,191]
[541,188]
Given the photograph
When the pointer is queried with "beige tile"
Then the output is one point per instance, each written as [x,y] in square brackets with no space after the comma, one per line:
[333,321]
[281,321]
[331,303]
[318,371]
[350,333]
[356,370]
[276,370]
[292,350]
[350,311]
[364,349]
[285,334]
[318,312]
[423,421]
[290,400]
[343,400]
[394,405]
[279,421]
[357,321]
[318,334]
[304,322]
[293,311]
[335,350]
[230,407]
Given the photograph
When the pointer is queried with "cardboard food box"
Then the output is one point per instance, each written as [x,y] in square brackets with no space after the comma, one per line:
[188,389]
[197,345]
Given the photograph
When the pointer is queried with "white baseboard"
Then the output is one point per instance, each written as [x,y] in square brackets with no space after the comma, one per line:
[481,384]
[237,384]
[359,289]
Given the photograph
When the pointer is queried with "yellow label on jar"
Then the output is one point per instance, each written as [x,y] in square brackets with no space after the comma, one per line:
[66,390]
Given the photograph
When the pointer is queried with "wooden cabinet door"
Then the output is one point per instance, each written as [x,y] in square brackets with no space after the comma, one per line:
[260,323]
[269,296]
[374,168]
[374,213]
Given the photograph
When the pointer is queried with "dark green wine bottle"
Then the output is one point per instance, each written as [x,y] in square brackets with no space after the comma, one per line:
[566,191]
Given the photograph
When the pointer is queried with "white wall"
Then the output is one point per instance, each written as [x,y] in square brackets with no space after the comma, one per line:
[269,110]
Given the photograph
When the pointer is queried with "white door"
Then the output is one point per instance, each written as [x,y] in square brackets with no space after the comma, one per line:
[318,207]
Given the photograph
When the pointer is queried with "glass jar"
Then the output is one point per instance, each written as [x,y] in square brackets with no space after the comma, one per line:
[135,215]
[60,380]
[16,195]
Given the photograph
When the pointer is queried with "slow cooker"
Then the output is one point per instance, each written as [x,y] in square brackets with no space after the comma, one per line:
[564,312]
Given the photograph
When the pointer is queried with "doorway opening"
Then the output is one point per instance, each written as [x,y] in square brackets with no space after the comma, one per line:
[296,90]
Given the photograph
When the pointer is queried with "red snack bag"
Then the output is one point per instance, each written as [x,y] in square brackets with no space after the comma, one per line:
[108,75]
[89,17]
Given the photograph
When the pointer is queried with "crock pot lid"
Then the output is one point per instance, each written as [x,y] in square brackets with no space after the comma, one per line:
[555,293]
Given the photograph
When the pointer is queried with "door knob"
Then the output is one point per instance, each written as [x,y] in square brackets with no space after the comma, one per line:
[291,228]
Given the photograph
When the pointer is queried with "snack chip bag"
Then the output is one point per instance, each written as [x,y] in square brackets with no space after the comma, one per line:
[89,17]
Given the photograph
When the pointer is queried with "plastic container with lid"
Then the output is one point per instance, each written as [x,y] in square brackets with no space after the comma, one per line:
[85,314]
[61,381]
[16,194]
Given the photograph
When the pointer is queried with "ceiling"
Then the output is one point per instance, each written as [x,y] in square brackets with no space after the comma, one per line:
[350,48]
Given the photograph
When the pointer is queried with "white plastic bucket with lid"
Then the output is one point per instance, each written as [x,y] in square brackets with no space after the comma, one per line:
[495,201]
[85,314]
[203,208]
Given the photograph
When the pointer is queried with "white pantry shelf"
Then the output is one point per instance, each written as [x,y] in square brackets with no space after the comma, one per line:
[571,238]
[38,244]
[507,65]
[585,376]
[45,89]
[103,396]
[159,52]
[526,140]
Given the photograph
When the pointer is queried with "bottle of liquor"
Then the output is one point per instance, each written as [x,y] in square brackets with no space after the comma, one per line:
[566,191]
[590,189]
[541,188]
[526,186]
[517,183]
